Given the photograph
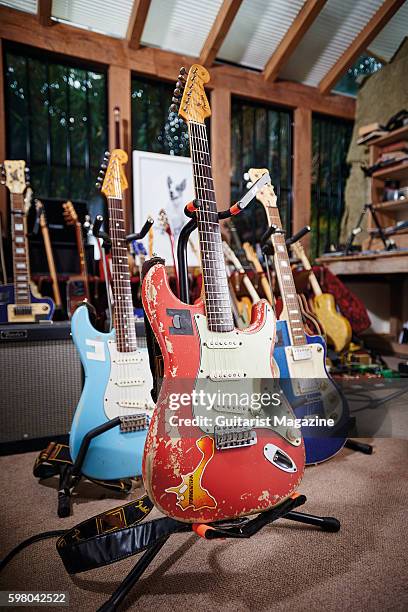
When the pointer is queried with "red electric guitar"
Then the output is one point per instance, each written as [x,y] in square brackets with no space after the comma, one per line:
[209,455]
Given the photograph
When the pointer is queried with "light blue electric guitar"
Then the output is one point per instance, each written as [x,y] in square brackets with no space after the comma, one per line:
[117,374]
[300,358]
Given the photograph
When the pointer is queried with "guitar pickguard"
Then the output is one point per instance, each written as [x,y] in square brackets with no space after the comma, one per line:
[130,383]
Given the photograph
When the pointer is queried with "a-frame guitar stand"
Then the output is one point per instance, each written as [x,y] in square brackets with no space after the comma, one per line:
[239,528]
[55,459]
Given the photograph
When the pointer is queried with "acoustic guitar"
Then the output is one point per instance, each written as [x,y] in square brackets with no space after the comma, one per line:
[337,328]
[197,466]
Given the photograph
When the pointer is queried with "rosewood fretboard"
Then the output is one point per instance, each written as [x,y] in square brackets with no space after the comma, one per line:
[21,266]
[285,280]
[122,295]
[217,299]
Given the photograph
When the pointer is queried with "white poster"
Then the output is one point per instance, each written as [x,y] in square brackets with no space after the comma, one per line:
[163,182]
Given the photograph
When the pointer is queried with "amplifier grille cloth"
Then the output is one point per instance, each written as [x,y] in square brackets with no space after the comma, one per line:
[40,389]
[41,384]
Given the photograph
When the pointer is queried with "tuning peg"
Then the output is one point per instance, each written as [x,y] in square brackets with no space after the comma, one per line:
[107,154]
[249,185]
[103,166]
[175,100]
[246,176]
[180,85]
[182,78]
[183,70]
[98,184]
[174,108]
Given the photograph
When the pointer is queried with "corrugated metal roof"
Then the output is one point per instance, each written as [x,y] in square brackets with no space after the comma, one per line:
[257,30]
[29,6]
[333,31]
[110,18]
[180,25]
[390,38]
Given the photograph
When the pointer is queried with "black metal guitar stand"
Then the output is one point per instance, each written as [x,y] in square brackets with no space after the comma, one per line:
[56,460]
[239,528]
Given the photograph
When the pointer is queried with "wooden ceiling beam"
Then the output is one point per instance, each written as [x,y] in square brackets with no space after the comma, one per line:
[360,44]
[92,47]
[292,38]
[44,10]
[137,22]
[219,31]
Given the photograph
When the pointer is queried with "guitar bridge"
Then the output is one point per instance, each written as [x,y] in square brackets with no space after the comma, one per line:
[233,437]
[133,422]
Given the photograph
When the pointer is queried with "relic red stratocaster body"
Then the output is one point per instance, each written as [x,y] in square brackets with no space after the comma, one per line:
[208,456]
[185,475]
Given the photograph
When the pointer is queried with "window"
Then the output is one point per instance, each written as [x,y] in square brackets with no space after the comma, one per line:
[154,128]
[56,121]
[261,138]
[331,140]
[355,75]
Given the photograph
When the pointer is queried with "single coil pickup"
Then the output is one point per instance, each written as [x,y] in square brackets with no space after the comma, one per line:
[233,437]
[130,383]
[126,360]
[227,374]
[132,404]
[134,422]
[222,344]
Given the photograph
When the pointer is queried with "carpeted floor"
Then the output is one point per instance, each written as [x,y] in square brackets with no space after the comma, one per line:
[287,566]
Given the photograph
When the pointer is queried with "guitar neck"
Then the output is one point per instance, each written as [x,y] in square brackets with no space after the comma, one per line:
[21,266]
[298,249]
[285,280]
[217,300]
[121,289]
[82,257]
[51,262]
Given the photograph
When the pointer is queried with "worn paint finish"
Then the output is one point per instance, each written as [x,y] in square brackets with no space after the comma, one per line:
[175,463]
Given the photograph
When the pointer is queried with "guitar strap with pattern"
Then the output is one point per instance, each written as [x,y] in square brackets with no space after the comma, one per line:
[53,459]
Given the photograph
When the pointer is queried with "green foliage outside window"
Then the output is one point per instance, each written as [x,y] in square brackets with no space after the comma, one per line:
[154,127]
[261,137]
[331,140]
[56,121]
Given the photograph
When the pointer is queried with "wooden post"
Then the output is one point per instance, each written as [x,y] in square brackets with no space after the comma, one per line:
[3,190]
[119,94]
[302,171]
[221,145]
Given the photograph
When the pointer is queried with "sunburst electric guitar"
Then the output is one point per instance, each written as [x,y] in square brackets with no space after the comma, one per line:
[20,302]
[336,326]
[118,378]
[198,465]
[301,358]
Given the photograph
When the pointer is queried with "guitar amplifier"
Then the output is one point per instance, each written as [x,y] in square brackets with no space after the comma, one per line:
[41,382]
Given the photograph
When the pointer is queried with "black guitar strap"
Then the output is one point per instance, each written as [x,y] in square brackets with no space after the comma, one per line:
[119,533]
[53,459]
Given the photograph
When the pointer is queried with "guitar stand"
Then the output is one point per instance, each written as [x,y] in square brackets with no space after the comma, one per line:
[239,529]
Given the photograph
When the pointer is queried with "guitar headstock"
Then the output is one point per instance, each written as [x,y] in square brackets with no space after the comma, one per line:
[14,175]
[164,221]
[112,179]
[70,214]
[266,195]
[39,207]
[189,97]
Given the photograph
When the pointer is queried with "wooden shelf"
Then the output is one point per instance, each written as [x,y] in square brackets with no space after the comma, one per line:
[395,136]
[398,172]
[392,205]
[385,343]
[391,262]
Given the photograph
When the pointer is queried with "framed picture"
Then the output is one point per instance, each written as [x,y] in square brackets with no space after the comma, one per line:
[163,182]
